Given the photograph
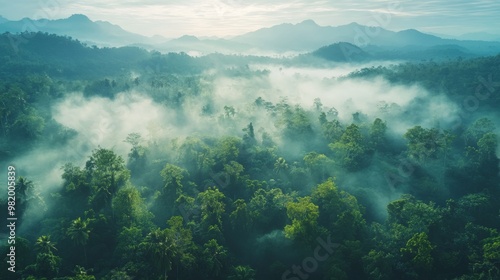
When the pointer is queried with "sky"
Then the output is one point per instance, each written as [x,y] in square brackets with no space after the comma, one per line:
[173,18]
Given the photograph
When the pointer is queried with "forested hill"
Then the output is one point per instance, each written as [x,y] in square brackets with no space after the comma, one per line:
[456,78]
[141,165]
[68,58]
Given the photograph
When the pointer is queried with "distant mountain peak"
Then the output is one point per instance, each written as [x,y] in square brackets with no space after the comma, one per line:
[79,18]
[308,22]
[341,52]
[411,30]
[417,35]
[188,38]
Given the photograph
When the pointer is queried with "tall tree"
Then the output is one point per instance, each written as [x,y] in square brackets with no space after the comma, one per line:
[215,258]
[173,179]
[423,143]
[212,207]
[45,245]
[242,272]
[419,250]
[79,232]
[351,149]
[107,174]
[183,242]
[129,208]
[280,165]
[377,133]
[304,217]
[160,249]
[339,211]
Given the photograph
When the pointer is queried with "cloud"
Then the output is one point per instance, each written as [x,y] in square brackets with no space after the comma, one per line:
[104,122]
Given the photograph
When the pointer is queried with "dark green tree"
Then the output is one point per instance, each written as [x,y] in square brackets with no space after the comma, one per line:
[79,231]
[351,149]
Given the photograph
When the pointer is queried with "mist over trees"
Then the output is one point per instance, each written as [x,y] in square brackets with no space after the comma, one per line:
[142,165]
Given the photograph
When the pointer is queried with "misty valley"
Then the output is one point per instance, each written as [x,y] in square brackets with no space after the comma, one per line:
[337,163]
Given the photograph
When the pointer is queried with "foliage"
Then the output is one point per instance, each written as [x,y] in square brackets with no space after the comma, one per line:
[271,187]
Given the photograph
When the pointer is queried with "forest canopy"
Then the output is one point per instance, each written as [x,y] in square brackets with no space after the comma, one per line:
[133,164]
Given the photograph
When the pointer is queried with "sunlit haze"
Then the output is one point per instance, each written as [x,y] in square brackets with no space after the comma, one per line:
[222,18]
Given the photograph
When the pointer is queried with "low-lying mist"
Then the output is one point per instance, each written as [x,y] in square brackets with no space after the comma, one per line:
[106,122]
[401,106]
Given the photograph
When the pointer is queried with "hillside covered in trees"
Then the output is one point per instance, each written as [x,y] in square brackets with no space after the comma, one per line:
[140,165]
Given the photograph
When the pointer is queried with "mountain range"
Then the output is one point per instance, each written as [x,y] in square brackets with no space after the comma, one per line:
[77,26]
[308,35]
[303,37]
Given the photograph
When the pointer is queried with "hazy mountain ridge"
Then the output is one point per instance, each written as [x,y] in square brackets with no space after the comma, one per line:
[304,37]
[308,36]
[77,26]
